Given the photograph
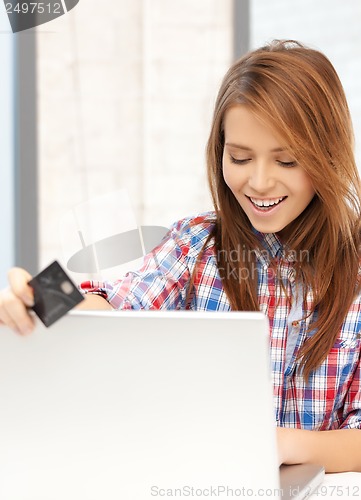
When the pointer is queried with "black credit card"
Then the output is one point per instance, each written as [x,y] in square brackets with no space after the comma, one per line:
[54,294]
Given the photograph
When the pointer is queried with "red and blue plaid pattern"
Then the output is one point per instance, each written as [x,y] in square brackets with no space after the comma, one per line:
[331,399]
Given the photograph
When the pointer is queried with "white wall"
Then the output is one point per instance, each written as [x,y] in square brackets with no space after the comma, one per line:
[126,94]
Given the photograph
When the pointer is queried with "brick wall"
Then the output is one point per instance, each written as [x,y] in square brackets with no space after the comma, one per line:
[125,101]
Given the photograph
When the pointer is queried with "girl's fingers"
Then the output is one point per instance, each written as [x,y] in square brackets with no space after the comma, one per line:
[14,314]
[15,300]
[18,281]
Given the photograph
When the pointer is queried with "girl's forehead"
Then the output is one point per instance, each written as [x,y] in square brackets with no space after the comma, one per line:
[243,124]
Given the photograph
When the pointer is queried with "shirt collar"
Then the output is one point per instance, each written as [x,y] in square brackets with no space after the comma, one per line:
[272,249]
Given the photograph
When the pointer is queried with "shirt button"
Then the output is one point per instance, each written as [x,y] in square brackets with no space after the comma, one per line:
[295,323]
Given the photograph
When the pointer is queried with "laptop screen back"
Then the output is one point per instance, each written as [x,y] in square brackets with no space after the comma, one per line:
[113,405]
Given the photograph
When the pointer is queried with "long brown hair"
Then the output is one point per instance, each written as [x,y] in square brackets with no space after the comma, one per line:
[297,92]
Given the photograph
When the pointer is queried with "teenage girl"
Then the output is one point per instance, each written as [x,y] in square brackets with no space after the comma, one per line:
[284,238]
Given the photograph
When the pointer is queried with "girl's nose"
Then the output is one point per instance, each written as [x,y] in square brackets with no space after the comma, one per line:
[261,179]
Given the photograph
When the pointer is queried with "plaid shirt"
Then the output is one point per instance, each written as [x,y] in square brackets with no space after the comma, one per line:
[331,399]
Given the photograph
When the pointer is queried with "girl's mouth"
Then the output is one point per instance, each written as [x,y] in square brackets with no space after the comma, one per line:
[266,205]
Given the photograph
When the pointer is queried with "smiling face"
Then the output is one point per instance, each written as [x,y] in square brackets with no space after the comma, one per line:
[272,189]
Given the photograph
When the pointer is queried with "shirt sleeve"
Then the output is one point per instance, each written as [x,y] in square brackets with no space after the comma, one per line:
[352,406]
[161,283]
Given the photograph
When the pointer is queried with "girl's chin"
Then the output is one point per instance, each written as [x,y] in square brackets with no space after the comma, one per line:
[268,229]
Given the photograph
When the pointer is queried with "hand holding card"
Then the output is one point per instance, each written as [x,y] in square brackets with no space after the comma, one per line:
[54,294]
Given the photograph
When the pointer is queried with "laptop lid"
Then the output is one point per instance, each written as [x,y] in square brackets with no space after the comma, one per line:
[137,405]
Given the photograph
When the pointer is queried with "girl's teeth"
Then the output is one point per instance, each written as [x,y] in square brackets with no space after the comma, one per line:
[266,203]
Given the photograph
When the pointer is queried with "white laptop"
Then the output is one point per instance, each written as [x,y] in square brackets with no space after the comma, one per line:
[140,405]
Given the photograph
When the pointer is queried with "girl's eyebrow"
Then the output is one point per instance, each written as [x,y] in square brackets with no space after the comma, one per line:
[245,148]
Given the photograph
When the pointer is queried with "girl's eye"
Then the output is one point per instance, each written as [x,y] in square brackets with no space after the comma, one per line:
[287,164]
[239,162]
